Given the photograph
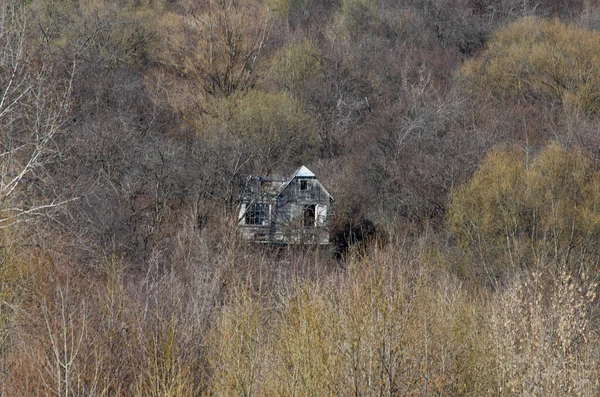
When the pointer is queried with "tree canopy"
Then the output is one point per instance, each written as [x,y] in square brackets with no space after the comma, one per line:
[540,60]
[515,209]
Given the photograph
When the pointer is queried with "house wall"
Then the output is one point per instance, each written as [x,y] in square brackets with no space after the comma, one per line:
[313,195]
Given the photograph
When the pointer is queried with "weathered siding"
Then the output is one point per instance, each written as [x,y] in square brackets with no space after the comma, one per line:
[298,212]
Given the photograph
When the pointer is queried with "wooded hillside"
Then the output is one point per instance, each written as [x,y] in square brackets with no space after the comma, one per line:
[459,139]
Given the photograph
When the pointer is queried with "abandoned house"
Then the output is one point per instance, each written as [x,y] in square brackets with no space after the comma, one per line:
[292,211]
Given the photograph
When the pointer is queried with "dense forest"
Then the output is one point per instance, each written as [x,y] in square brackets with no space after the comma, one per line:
[460,140]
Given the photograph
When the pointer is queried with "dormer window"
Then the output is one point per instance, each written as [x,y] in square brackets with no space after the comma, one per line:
[303,184]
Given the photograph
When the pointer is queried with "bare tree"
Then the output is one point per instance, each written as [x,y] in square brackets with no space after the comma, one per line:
[212,52]
[229,46]
[33,107]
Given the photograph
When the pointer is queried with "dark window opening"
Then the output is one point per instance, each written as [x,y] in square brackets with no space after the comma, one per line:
[309,216]
[256,214]
[303,184]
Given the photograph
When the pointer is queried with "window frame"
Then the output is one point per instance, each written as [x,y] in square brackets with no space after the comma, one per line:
[304,186]
[256,214]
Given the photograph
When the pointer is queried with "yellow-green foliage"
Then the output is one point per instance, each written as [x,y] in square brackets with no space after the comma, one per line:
[356,16]
[485,214]
[100,31]
[235,347]
[389,326]
[297,64]
[305,346]
[510,214]
[284,7]
[392,325]
[564,192]
[274,126]
[167,372]
[535,58]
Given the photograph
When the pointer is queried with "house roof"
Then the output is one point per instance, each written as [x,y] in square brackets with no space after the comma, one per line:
[274,186]
[303,172]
